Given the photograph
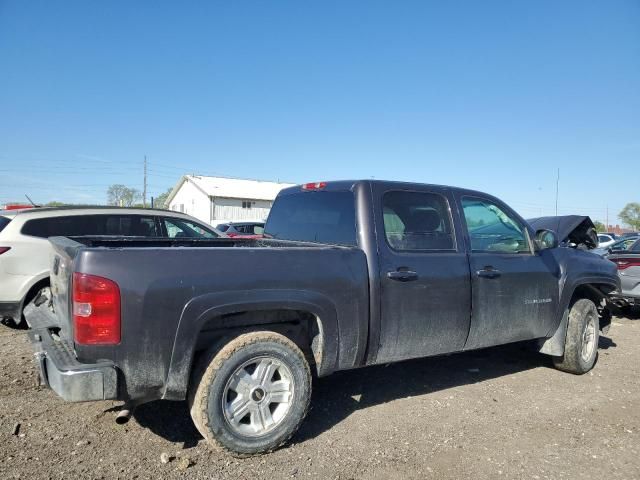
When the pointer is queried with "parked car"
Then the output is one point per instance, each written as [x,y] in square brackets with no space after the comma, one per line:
[25,251]
[628,263]
[242,229]
[618,246]
[349,274]
[605,240]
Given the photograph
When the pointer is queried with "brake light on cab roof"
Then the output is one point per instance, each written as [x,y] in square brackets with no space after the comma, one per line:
[314,186]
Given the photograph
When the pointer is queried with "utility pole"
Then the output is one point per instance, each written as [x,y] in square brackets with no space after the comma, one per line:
[144,188]
[607,226]
[557,185]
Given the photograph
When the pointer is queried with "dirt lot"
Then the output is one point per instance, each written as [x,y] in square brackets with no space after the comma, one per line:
[498,413]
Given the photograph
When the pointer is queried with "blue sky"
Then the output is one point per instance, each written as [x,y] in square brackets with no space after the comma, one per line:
[488,95]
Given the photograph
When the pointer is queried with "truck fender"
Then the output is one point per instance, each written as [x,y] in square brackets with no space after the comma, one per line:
[201,309]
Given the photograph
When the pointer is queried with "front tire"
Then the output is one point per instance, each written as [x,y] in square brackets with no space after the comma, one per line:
[581,344]
[251,396]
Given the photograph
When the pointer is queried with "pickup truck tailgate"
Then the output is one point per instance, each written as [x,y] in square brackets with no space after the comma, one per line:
[63,255]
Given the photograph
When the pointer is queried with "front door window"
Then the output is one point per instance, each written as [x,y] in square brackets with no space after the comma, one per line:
[493,230]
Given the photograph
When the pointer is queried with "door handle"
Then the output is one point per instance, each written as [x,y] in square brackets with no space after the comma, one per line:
[402,275]
[488,272]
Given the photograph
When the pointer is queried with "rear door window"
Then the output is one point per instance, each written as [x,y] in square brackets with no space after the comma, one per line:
[129,225]
[417,221]
[316,216]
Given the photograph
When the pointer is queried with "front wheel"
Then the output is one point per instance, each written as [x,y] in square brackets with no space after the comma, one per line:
[251,396]
[581,344]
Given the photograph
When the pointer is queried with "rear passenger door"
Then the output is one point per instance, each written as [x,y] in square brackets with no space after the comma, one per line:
[424,274]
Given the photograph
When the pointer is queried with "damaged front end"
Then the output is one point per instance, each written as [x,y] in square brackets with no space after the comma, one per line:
[575,231]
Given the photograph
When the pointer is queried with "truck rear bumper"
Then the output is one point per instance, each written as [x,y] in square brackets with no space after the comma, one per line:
[60,369]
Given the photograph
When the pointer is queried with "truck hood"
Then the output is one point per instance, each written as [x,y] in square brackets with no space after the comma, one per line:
[571,229]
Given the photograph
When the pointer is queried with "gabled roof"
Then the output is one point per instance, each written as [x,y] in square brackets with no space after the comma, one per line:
[231,187]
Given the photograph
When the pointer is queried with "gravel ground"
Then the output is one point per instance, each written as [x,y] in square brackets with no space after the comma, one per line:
[497,413]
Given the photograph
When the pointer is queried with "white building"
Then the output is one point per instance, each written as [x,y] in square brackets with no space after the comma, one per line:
[218,200]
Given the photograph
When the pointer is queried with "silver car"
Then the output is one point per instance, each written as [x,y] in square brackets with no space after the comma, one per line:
[620,246]
[628,262]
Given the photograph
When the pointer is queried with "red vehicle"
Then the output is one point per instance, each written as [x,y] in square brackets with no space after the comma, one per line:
[242,229]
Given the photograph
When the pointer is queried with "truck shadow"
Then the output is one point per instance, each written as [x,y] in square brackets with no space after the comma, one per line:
[338,396]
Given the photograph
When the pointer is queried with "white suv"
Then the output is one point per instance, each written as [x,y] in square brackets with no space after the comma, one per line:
[25,250]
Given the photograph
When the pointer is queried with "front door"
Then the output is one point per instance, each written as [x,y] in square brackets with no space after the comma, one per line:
[514,288]
[424,275]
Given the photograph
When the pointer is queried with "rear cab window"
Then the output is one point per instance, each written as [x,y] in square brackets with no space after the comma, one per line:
[319,216]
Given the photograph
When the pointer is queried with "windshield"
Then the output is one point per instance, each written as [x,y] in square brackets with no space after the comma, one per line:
[178,228]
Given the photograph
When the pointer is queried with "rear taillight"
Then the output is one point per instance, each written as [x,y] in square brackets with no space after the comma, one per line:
[624,263]
[96,310]
[4,250]
[314,186]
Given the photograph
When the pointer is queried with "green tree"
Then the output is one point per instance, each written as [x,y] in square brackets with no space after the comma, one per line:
[54,204]
[161,200]
[630,215]
[600,227]
[122,196]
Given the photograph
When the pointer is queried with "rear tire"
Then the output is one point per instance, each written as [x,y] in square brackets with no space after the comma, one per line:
[250,396]
[581,344]
[41,296]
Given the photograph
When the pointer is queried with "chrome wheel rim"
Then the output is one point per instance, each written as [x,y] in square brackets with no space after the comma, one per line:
[258,396]
[588,339]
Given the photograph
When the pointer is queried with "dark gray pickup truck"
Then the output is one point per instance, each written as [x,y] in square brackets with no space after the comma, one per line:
[349,274]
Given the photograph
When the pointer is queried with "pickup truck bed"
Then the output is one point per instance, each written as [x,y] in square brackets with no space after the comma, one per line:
[179,286]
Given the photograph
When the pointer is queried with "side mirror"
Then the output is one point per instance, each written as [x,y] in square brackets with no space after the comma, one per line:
[546,239]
